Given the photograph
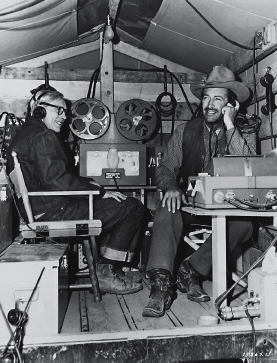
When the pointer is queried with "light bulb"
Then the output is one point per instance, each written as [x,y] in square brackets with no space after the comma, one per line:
[109,34]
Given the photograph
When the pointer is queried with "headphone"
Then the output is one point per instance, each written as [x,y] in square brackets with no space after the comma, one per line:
[39,111]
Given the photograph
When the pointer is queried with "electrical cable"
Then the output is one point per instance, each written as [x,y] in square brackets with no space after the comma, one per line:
[245,128]
[253,334]
[12,336]
[230,201]
[24,313]
[115,182]
[218,32]
[174,76]
[223,296]
[166,110]
[92,81]
[254,77]
[255,205]
[95,75]
[4,135]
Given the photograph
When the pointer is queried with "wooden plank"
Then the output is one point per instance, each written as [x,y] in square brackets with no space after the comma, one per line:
[115,319]
[113,7]
[83,312]
[149,58]
[127,311]
[219,255]
[243,58]
[58,55]
[106,76]
[97,318]
[24,253]
[131,76]
[72,323]
[75,90]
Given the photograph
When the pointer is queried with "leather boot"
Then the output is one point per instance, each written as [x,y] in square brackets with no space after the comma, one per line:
[161,294]
[110,281]
[125,276]
[189,281]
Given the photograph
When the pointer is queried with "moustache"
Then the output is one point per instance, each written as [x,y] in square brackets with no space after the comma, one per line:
[210,109]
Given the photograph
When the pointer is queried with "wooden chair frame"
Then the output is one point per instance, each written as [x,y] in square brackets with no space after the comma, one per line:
[66,228]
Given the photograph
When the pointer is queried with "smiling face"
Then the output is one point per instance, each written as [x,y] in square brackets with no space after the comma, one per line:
[53,120]
[213,100]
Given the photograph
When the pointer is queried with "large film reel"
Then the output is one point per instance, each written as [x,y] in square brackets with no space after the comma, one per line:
[90,118]
[136,119]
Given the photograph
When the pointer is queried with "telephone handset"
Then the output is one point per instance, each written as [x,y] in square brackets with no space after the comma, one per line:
[267,81]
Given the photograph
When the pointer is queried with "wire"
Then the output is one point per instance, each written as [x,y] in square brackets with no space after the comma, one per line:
[242,123]
[253,333]
[222,297]
[218,32]
[23,316]
[12,336]
[254,77]
[115,182]
[230,201]
[256,205]
[95,75]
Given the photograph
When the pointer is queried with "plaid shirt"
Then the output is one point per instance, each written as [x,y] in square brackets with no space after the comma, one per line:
[168,169]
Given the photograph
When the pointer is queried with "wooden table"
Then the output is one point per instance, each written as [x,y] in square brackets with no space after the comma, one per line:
[219,239]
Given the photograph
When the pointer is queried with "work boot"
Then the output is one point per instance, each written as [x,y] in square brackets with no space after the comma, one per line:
[189,281]
[161,294]
[125,276]
[110,281]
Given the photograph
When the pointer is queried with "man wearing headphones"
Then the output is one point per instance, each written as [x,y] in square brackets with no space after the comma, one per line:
[47,166]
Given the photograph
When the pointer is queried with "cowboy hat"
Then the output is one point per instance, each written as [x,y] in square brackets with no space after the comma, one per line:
[222,77]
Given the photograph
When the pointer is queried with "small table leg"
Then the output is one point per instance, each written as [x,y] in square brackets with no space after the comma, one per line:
[219,256]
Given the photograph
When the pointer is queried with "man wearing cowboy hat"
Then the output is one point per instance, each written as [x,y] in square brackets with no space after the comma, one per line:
[188,152]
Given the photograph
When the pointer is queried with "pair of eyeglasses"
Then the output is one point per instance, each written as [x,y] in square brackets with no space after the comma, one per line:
[60,108]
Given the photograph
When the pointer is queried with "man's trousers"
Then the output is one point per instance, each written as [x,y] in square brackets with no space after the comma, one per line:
[168,229]
[122,220]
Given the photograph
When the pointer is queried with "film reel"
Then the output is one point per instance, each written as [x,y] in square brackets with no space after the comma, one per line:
[90,118]
[136,119]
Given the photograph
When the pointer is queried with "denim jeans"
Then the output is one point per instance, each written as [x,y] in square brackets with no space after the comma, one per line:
[122,220]
[168,229]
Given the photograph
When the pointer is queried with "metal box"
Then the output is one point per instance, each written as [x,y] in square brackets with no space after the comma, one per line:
[263,286]
[131,168]
[20,268]
[6,216]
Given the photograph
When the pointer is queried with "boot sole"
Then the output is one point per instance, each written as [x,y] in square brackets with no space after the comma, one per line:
[199,299]
[147,313]
[196,299]
[123,292]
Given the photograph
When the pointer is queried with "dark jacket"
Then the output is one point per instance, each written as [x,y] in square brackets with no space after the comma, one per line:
[194,149]
[45,165]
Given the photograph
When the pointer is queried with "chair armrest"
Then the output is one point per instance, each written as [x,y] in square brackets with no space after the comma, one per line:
[90,193]
[62,192]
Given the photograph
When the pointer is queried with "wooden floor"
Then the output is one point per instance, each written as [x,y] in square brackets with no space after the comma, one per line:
[121,313]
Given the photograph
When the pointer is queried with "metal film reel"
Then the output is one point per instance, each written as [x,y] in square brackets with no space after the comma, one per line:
[90,118]
[136,119]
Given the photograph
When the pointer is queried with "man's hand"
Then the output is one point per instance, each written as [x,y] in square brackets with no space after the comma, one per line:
[173,199]
[116,195]
[230,113]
